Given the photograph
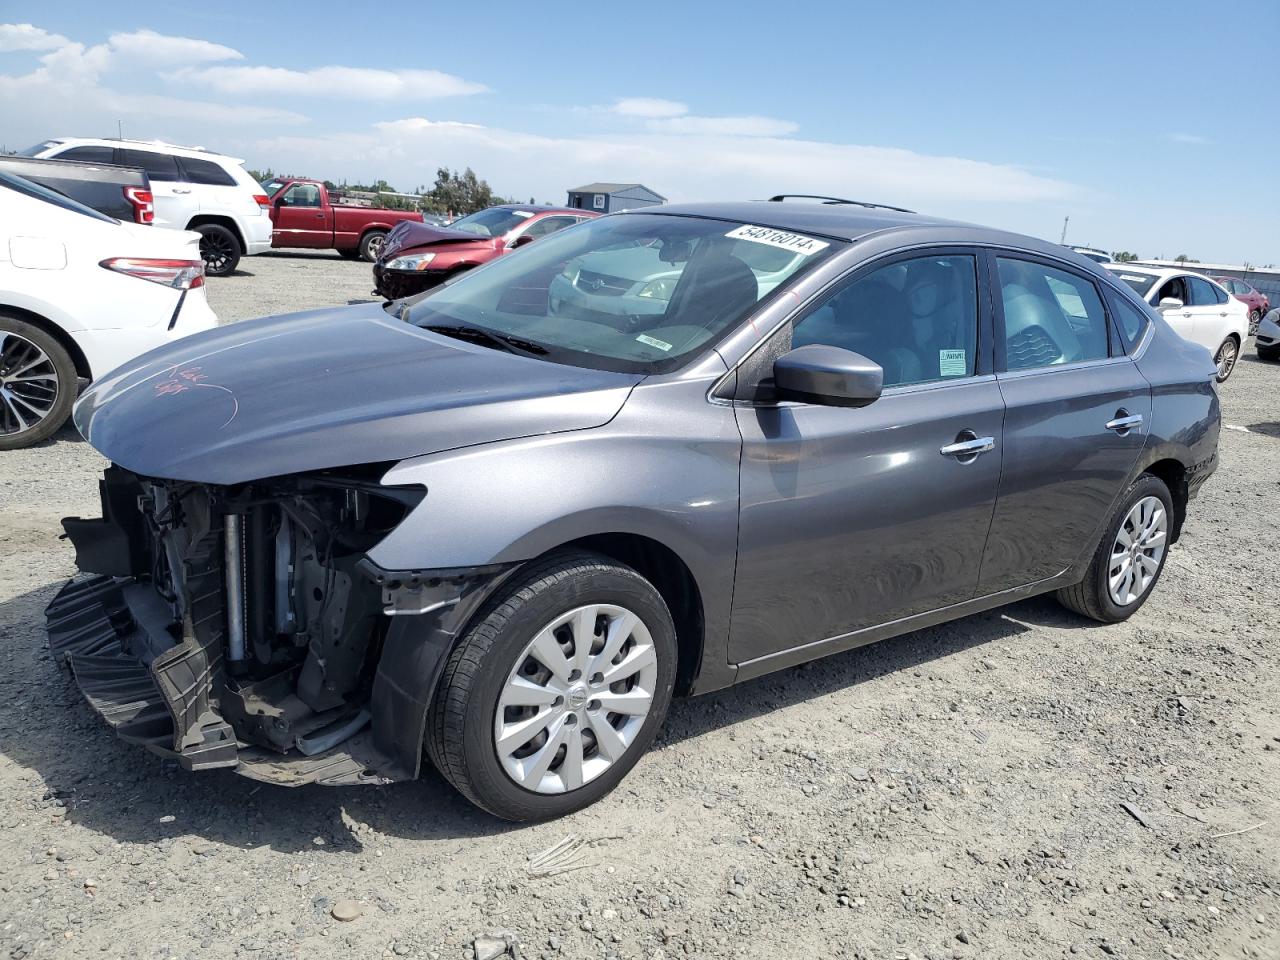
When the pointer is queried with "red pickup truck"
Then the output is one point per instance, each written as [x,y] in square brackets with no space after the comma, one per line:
[303,214]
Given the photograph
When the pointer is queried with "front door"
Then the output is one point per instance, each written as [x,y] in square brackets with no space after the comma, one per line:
[1077,412]
[855,517]
[1183,318]
[300,219]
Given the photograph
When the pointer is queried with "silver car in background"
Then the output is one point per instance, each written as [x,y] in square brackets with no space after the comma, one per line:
[501,524]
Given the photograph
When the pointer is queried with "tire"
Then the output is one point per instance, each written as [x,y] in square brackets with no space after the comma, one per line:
[1255,318]
[219,248]
[1093,597]
[495,655]
[1227,357]
[33,408]
[371,245]
[349,254]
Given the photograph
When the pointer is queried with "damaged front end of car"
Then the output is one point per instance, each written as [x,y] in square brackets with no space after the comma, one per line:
[246,627]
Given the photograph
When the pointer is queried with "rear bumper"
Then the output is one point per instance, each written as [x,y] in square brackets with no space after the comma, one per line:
[108,349]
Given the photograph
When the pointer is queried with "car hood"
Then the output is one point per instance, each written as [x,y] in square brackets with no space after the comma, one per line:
[328,388]
[409,234]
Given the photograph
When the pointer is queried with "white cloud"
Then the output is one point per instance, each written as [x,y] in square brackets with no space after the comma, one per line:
[682,167]
[149,47]
[649,107]
[348,83]
[725,126]
[1189,138]
[24,36]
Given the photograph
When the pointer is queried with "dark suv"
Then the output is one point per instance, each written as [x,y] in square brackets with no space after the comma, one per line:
[471,527]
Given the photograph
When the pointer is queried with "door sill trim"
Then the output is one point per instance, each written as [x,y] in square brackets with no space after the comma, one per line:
[859,638]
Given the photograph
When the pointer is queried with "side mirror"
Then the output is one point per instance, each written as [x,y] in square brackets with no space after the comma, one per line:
[522,240]
[282,201]
[1170,303]
[829,376]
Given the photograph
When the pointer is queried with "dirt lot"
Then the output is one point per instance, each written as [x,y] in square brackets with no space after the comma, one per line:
[958,792]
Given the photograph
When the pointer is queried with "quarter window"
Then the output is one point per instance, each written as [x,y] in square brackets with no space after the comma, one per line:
[917,318]
[1130,321]
[207,172]
[1050,316]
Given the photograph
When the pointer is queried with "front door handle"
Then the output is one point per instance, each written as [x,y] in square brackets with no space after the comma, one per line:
[968,449]
[1124,422]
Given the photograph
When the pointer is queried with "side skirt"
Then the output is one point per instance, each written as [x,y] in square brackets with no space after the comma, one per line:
[793,656]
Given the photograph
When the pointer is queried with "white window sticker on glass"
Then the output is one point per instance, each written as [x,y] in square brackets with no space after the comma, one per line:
[654,342]
[523,214]
[953,363]
[1134,278]
[795,242]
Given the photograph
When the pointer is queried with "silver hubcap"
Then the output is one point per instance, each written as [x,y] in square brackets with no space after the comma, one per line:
[576,699]
[1226,359]
[28,384]
[1137,551]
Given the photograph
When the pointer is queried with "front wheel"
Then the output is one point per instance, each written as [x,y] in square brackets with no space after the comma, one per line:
[1255,318]
[219,249]
[371,245]
[556,690]
[1130,557]
[1226,357]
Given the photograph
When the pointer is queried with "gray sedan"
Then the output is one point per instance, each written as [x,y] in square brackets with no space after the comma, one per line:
[480,528]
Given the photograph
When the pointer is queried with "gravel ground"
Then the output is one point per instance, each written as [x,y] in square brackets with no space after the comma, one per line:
[1017,784]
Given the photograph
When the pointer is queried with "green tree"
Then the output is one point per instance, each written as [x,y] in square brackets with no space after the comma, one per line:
[1123,256]
[1183,258]
[460,193]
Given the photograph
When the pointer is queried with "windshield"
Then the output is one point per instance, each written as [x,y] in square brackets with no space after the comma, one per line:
[39,148]
[636,293]
[269,187]
[493,222]
[1141,282]
[40,192]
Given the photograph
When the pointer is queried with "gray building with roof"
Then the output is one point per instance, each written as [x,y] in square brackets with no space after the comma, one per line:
[612,197]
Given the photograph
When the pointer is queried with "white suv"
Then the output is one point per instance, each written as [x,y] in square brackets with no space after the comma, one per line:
[194,190]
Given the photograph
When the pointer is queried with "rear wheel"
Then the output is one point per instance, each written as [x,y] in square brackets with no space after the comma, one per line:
[1226,357]
[1255,317]
[37,384]
[1130,557]
[219,249]
[371,244]
[557,689]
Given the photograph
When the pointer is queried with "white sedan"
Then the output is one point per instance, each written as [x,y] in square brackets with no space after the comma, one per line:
[81,293]
[1198,308]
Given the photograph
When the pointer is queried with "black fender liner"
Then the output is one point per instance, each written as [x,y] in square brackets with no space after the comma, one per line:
[416,648]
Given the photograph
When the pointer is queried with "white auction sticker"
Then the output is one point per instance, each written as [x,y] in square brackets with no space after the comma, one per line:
[654,342]
[953,363]
[795,242]
[1134,279]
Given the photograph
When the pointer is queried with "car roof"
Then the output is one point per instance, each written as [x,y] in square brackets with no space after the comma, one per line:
[160,146]
[848,221]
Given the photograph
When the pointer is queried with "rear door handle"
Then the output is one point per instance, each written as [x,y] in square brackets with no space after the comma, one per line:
[1124,422]
[968,448]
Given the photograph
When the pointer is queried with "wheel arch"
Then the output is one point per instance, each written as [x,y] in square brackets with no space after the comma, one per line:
[220,220]
[65,340]
[1174,474]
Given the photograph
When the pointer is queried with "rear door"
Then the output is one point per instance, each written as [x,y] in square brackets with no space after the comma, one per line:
[175,200]
[1077,412]
[217,190]
[301,219]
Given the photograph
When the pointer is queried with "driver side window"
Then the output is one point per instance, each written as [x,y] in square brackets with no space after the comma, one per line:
[918,319]
[303,195]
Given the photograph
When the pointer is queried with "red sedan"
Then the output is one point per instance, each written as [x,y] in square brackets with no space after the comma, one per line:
[1257,302]
[419,256]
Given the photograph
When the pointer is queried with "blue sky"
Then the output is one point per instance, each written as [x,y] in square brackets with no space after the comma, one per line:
[1153,126]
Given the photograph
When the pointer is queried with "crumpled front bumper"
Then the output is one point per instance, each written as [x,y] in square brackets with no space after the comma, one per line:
[112,634]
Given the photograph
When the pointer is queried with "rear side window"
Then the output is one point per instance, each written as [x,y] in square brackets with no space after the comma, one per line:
[1129,320]
[89,154]
[1050,316]
[159,166]
[205,171]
